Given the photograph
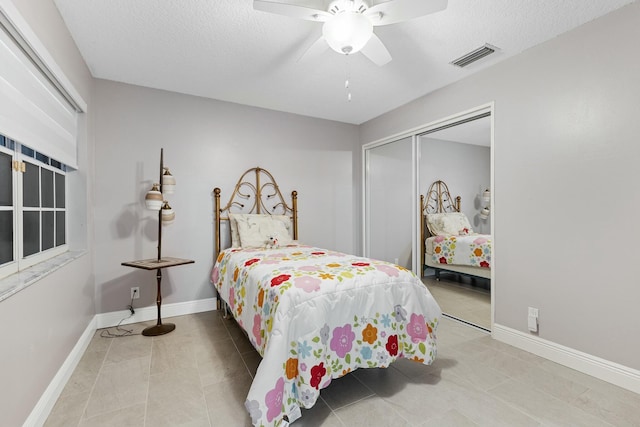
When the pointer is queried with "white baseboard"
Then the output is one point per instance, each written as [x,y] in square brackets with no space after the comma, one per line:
[43,408]
[143,314]
[605,370]
[48,399]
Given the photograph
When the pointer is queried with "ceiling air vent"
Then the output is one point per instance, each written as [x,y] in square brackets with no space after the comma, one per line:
[474,56]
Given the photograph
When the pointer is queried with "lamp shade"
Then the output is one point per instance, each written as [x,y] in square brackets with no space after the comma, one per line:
[484,213]
[347,32]
[153,198]
[168,182]
[168,215]
[486,196]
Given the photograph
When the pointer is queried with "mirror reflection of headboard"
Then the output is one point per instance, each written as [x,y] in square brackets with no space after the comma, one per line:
[437,200]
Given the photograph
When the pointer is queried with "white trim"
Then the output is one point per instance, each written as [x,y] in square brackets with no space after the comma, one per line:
[48,399]
[492,169]
[43,408]
[18,281]
[605,370]
[488,107]
[143,314]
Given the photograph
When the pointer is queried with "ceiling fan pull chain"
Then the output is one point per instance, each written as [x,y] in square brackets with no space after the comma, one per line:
[347,81]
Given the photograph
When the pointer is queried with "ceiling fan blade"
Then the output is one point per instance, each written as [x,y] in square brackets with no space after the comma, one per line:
[376,51]
[315,50]
[392,12]
[292,10]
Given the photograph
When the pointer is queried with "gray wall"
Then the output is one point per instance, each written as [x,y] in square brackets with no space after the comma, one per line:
[42,323]
[206,144]
[566,182]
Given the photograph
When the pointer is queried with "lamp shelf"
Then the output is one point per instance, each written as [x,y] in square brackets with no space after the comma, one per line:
[154,200]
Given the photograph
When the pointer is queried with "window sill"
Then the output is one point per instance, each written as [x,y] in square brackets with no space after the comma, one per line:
[16,282]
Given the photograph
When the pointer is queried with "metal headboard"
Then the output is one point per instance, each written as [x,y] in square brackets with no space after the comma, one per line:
[255,196]
[437,200]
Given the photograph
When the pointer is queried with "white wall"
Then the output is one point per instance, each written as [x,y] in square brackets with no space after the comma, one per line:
[566,182]
[42,323]
[206,144]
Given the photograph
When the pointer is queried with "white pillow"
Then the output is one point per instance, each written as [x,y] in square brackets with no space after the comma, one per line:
[254,230]
[235,237]
[449,224]
[286,220]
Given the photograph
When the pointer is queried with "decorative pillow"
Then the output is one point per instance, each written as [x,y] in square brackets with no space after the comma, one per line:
[465,232]
[449,224]
[255,229]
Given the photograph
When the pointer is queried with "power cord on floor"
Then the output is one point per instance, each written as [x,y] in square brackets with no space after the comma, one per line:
[121,332]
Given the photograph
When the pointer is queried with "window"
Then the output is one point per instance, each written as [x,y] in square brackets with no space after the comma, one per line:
[39,136]
[6,202]
[33,216]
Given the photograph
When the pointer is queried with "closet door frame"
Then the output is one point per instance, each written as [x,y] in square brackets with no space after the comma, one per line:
[366,202]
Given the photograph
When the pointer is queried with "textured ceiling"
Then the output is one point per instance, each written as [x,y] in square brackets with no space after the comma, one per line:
[223,49]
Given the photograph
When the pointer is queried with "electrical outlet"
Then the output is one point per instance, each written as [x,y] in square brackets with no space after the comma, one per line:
[135,292]
[532,319]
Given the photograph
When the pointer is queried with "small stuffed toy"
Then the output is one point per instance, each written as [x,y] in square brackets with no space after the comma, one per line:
[272,242]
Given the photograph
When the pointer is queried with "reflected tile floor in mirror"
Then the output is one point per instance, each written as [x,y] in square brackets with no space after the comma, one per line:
[199,375]
[462,297]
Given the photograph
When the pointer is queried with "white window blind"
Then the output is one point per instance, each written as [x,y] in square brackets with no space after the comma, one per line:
[33,110]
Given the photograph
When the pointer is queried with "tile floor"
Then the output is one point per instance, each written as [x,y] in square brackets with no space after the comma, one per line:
[461,298]
[199,375]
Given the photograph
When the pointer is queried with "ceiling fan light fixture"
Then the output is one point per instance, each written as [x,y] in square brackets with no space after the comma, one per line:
[347,32]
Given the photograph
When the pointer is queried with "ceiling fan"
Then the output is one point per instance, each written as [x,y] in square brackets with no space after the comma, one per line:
[348,24]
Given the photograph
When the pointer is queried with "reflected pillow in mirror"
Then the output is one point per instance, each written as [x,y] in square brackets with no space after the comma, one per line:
[449,224]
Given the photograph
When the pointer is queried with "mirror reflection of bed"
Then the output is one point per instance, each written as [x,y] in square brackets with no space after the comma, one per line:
[456,258]
[458,157]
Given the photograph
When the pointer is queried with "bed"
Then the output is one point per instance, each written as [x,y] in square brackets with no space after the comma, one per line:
[313,314]
[448,241]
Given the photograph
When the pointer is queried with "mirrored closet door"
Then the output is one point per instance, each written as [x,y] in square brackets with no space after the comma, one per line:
[456,152]
[389,194]
[458,157]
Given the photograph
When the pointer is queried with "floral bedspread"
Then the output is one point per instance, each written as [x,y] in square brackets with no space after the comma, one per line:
[315,315]
[474,250]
